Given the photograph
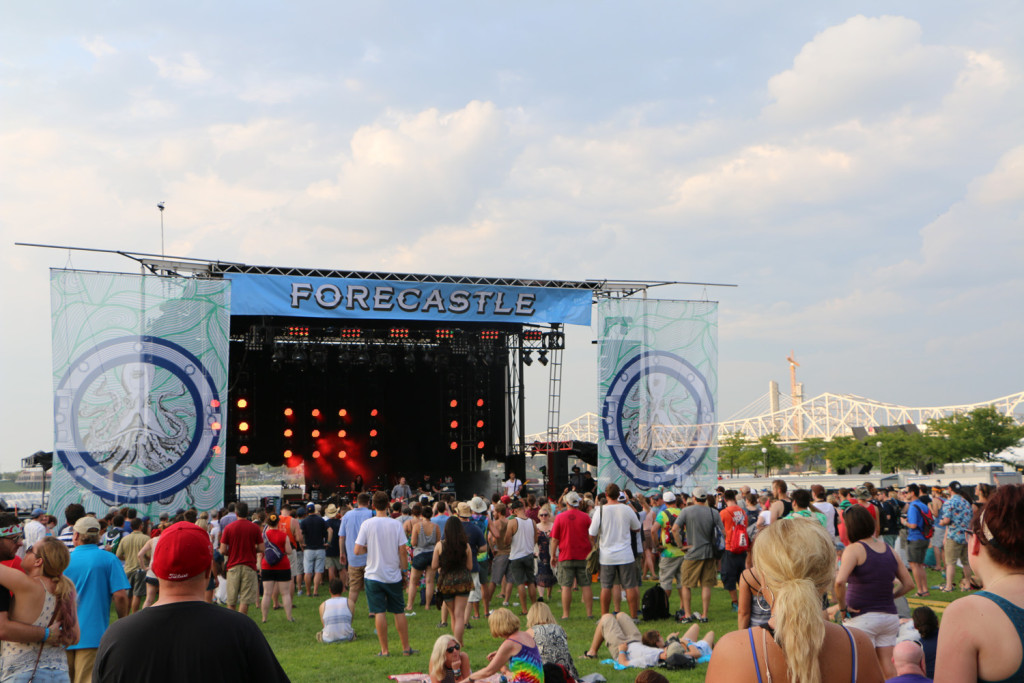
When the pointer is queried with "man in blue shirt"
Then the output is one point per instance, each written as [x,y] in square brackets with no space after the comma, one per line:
[99,579]
[350,524]
[917,542]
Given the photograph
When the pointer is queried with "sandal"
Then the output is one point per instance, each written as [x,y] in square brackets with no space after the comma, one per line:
[383,654]
[410,652]
[587,655]
[923,595]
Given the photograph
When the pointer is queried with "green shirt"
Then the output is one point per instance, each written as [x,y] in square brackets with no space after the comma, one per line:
[668,544]
[807,514]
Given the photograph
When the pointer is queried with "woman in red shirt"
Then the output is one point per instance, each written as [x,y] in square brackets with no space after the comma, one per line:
[276,577]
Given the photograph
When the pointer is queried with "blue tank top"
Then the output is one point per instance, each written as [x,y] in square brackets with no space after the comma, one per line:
[1016,616]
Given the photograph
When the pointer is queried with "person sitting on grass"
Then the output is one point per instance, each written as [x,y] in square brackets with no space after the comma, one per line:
[629,648]
[650,676]
[550,637]
[518,652]
[448,663]
[336,616]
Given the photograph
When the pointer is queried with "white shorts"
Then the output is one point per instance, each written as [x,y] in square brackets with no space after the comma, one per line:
[475,595]
[882,628]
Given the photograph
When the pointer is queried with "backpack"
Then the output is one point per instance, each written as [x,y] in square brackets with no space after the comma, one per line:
[271,553]
[739,539]
[889,519]
[927,526]
[718,540]
[654,604]
[671,525]
[111,541]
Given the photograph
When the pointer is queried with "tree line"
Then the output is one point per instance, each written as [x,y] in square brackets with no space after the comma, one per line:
[979,435]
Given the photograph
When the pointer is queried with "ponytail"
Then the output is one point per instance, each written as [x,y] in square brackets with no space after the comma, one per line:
[67,608]
[799,627]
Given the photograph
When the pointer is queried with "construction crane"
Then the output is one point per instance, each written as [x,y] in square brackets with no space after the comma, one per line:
[796,393]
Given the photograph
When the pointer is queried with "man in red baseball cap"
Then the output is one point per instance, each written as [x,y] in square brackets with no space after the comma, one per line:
[182,563]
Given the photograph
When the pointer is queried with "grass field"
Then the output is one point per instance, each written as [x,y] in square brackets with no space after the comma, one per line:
[307,661]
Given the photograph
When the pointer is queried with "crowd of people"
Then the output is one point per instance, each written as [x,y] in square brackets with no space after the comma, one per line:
[815,578]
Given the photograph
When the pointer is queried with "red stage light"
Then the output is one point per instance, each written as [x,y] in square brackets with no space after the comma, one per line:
[454,403]
[316,412]
[216,449]
[373,413]
[214,403]
[215,426]
[480,444]
[373,454]
[316,454]
[288,433]
[342,413]
[288,412]
[342,433]
[373,432]
[453,445]
[342,454]
[479,403]
[242,403]
[287,454]
[315,434]
[455,424]
[243,450]
[243,426]
[479,424]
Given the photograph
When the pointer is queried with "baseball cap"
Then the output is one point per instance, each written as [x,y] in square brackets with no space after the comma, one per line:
[506,499]
[37,512]
[622,497]
[668,497]
[184,551]
[699,492]
[88,525]
[464,510]
[515,504]
[572,499]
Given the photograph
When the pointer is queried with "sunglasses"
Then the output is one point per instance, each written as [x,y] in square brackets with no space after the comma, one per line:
[453,648]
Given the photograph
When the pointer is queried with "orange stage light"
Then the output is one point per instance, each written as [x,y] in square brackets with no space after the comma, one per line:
[215,426]
[243,450]
[214,403]
[453,445]
[288,412]
[373,454]
[243,426]
[288,433]
[242,403]
[342,413]
[373,432]
[316,412]
[315,434]
[342,433]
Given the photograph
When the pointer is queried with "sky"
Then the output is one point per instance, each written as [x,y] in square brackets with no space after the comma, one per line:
[857,169]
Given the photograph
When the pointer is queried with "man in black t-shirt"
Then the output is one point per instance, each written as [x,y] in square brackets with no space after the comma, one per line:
[314,532]
[182,562]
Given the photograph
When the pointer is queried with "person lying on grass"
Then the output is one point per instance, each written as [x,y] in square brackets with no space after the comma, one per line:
[630,648]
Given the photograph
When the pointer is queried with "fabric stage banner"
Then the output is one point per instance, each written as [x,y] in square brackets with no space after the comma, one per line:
[140,377]
[321,297]
[658,383]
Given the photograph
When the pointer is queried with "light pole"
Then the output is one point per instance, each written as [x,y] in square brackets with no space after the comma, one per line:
[764,457]
[878,445]
[160,205]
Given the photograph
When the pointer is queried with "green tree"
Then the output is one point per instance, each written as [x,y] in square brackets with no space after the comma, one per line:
[980,434]
[846,453]
[766,454]
[731,452]
[811,450]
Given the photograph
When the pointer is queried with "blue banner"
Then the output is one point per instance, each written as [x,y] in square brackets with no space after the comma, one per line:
[319,297]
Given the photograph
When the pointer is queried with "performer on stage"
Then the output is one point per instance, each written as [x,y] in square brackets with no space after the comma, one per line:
[512,486]
[427,487]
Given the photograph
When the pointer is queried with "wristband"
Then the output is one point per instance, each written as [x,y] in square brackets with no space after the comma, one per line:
[46,634]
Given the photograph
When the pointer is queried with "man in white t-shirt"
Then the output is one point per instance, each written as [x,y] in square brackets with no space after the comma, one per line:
[382,540]
[512,485]
[35,530]
[610,528]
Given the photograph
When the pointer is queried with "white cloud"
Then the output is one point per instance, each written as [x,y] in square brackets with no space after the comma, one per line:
[98,47]
[862,68]
[186,70]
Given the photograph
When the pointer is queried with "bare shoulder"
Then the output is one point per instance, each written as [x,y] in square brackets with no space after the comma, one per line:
[731,660]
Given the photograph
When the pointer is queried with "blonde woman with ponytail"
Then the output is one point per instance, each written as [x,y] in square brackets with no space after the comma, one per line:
[797,560]
[42,596]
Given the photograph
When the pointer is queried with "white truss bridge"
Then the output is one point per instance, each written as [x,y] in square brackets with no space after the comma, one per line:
[825,416]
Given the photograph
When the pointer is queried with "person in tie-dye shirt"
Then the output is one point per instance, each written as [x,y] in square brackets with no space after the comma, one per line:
[518,651]
[956,517]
